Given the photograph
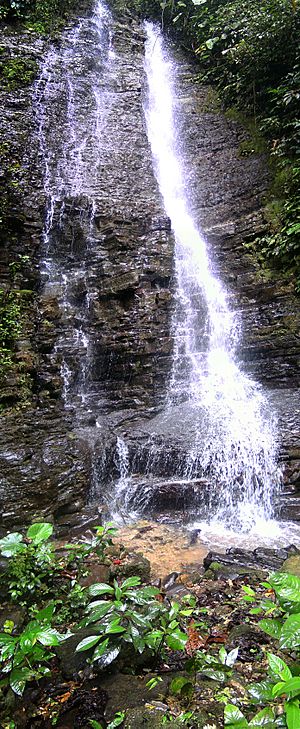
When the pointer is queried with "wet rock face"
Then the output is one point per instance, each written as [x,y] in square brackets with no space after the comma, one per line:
[99,334]
[99,326]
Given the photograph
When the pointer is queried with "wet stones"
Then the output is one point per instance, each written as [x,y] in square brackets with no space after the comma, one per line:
[242,561]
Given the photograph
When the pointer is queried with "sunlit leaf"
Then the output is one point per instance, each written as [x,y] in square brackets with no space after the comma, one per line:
[39,532]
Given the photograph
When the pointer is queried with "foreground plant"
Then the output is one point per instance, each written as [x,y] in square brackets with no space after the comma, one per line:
[24,657]
[129,614]
[31,562]
[35,571]
[117,721]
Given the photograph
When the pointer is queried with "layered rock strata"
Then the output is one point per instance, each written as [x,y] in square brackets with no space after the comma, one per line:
[98,363]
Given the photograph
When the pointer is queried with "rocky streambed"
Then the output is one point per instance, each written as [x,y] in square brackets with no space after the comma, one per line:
[220,598]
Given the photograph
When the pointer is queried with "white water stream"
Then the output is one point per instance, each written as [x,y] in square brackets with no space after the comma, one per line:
[72,100]
[236,442]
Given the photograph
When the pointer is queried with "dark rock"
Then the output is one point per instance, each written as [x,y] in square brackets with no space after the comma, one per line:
[169,580]
[70,661]
[241,560]
[126,691]
[133,564]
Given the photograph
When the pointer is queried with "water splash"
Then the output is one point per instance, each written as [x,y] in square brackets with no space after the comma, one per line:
[236,439]
[120,507]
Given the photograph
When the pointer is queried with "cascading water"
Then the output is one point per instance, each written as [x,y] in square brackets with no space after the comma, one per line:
[234,439]
[73,95]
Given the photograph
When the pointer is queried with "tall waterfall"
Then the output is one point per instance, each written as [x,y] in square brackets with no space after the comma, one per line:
[235,434]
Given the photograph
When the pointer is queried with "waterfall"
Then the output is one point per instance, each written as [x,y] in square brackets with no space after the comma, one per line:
[72,99]
[235,441]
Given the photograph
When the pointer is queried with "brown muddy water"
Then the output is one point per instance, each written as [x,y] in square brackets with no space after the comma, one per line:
[167,548]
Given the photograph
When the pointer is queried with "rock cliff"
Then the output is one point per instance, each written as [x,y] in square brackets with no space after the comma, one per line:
[96,341]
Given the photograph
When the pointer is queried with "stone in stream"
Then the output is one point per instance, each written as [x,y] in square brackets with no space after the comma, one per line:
[292,565]
[240,561]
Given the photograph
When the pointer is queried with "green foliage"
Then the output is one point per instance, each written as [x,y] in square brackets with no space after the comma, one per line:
[117,721]
[17,72]
[31,563]
[284,627]
[129,614]
[42,16]
[34,567]
[98,544]
[10,326]
[234,719]
[23,656]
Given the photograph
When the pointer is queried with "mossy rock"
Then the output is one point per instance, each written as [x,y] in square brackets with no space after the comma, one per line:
[219,571]
[292,565]
[151,717]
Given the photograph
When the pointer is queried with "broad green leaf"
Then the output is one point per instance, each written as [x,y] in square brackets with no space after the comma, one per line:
[286,586]
[264,718]
[153,682]
[131,582]
[46,613]
[211,42]
[271,627]
[177,640]
[178,683]
[118,719]
[95,724]
[10,545]
[49,636]
[87,643]
[97,604]
[223,655]
[100,588]
[248,590]
[114,628]
[292,687]
[39,532]
[149,591]
[6,639]
[261,691]
[18,679]
[98,652]
[108,656]
[278,667]
[27,640]
[96,615]
[139,644]
[231,657]
[233,717]
[153,638]
[290,632]
[292,713]
[215,673]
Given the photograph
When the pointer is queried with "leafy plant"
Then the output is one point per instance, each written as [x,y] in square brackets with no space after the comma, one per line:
[118,719]
[31,562]
[284,627]
[23,657]
[129,614]
[98,544]
[234,719]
